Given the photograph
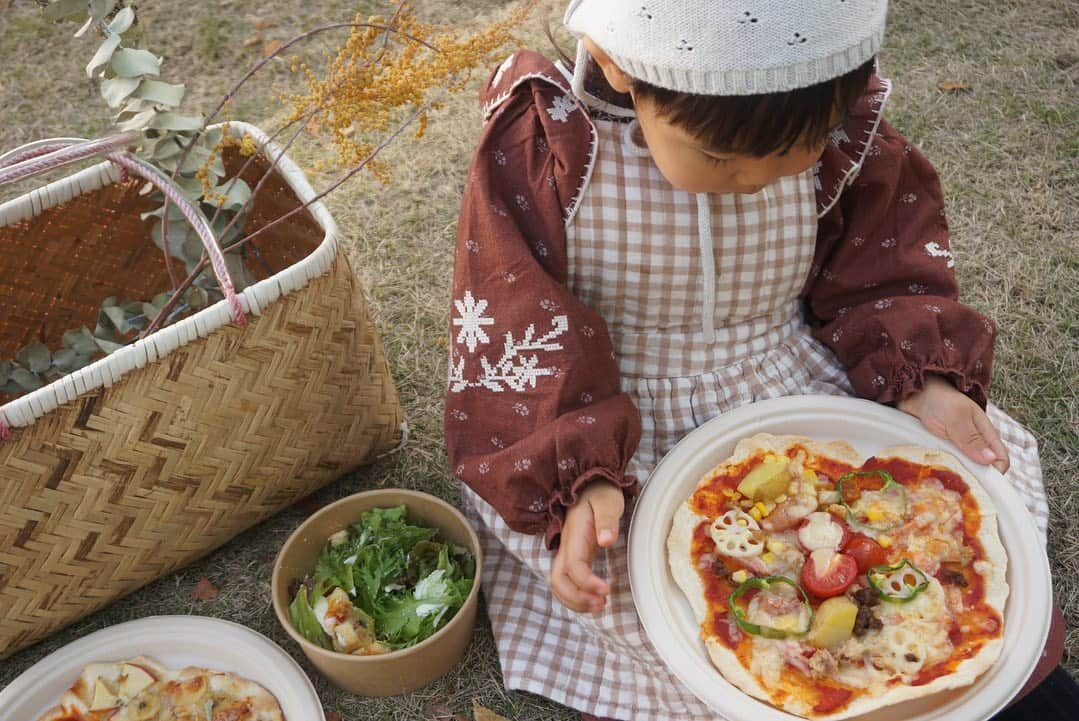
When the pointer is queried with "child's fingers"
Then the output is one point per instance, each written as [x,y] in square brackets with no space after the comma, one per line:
[966,433]
[607,507]
[568,591]
[570,596]
[577,553]
[993,441]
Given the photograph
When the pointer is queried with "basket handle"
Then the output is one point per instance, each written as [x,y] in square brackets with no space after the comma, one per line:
[45,155]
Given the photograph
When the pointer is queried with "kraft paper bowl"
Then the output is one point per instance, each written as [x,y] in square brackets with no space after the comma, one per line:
[400,671]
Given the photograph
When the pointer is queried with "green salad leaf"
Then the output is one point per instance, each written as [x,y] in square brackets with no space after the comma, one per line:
[304,619]
[403,582]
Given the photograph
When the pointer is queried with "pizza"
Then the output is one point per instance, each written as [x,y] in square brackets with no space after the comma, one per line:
[142,690]
[830,587]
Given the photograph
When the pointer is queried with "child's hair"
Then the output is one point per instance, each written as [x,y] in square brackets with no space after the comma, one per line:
[759,125]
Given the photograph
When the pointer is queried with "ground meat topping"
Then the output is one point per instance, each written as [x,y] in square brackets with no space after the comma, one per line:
[866,621]
[955,578]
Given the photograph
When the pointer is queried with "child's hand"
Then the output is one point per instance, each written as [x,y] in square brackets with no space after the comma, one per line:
[590,524]
[949,414]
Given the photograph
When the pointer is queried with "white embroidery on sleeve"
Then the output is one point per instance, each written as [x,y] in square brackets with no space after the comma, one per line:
[516,370]
[561,109]
[472,321]
[933,250]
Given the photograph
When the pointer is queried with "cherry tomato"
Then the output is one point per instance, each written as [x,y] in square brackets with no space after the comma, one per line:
[866,552]
[826,573]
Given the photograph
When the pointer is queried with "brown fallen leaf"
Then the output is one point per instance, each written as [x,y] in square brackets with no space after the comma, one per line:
[205,590]
[253,41]
[271,47]
[481,713]
[953,86]
[437,710]
[333,716]
[265,24]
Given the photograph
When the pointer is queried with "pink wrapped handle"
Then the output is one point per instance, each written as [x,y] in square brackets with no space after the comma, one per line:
[46,155]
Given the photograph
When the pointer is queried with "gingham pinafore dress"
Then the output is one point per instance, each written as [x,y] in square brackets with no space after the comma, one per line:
[691,345]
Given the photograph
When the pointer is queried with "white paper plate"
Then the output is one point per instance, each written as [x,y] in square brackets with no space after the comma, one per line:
[869,427]
[175,642]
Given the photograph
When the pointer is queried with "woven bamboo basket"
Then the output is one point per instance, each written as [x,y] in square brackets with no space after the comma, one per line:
[152,457]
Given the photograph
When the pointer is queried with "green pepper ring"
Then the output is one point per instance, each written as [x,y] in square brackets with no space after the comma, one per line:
[763,584]
[889,482]
[875,572]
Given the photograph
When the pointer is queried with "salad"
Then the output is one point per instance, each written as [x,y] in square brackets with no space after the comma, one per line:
[380,585]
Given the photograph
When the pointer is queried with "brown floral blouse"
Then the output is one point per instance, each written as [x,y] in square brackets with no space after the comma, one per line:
[882,294]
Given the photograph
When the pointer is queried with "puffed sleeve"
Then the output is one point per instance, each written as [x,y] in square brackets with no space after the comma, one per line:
[534,409]
[883,295]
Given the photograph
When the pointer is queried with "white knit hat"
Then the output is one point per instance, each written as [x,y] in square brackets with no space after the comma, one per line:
[728,47]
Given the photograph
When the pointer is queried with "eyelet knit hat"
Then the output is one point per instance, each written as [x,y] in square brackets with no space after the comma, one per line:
[732,47]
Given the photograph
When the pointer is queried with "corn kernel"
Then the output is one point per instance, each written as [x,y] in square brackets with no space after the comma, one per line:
[762,508]
[884,541]
[874,514]
[776,545]
[756,513]
[809,474]
[768,557]
[740,576]
[781,497]
[743,522]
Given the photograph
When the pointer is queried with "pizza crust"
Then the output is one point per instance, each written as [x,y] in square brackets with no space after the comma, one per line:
[996,588]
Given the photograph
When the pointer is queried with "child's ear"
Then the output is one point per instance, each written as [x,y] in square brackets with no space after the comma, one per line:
[618,80]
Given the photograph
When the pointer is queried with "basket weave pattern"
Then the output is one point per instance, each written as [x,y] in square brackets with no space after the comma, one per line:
[131,481]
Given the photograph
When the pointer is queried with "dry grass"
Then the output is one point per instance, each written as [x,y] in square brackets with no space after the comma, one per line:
[1007,152]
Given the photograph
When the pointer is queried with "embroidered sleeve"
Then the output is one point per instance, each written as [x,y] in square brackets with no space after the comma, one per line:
[534,410]
[883,292]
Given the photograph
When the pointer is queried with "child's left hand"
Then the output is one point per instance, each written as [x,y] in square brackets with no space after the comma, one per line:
[949,414]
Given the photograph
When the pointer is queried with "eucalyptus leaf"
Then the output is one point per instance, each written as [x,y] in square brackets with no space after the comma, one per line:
[129,63]
[81,341]
[139,121]
[35,356]
[64,359]
[197,298]
[241,276]
[212,137]
[160,300]
[116,90]
[11,388]
[236,192]
[109,302]
[6,368]
[26,380]
[85,26]
[191,252]
[175,214]
[168,149]
[100,9]
[108,346]
[191,185]
[161,93]
[175,121]
[107,51]
[122,21]
[63,9]
[116,317]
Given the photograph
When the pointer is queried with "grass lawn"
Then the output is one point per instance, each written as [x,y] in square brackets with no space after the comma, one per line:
[1007,149]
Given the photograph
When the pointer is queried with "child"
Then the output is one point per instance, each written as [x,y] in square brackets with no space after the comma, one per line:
[708,211]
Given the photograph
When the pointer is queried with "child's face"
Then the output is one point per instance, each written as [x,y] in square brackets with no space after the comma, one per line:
[688,164]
